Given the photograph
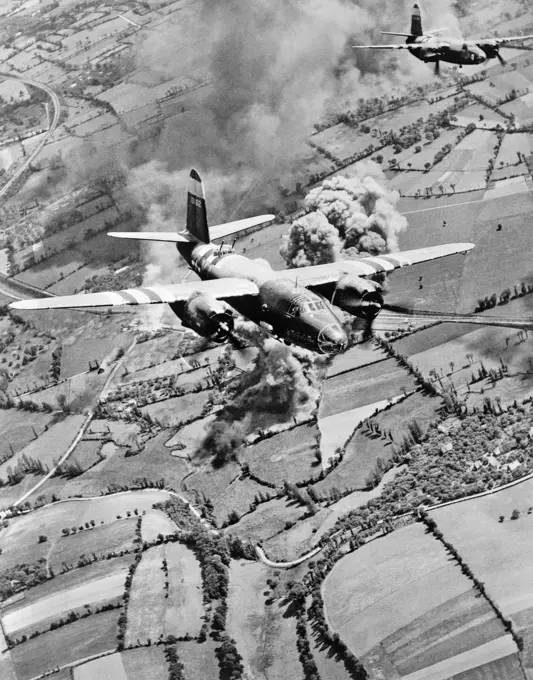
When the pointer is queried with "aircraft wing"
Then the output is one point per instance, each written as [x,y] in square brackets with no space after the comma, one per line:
[229,228]
[221,289]
[498,41]
[320,274]
[383,47]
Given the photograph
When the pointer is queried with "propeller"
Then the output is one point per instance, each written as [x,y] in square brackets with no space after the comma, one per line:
[500,58]
[437,68]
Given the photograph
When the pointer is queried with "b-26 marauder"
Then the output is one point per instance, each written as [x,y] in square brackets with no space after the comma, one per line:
[294,305]
[429,48]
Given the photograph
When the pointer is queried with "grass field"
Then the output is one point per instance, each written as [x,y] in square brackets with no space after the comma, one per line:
[499,553]
[342,140]
[199,660]
[288,456]
[512,144]
[85,637]
[20,539]
[145,662]
[174,411]
[265,637]
[19,428]
[146,608]
[438,621]
[238,496]
[154,462]
[101,540]
[191,436]
[46,448]
[268,520]
[212,483]
[363,386]
[521,108]
[305,534]
[37,614]
[156,522]
[184,604]
[364,448]
[356,356]
[108,667]
[72,579]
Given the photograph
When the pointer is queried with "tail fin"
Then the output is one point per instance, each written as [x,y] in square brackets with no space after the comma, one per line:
[416,21]
[196,210]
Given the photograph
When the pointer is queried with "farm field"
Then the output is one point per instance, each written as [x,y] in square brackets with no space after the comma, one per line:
[499,553]
[102,540]
[80,390]
[19,428]
[363,386]
[409,159]
[87,453]
[51,608]
[357,356]
[335,430]
[512,144]
[365,448]
[481,116]
[238,496]
[288,456]
[199,660]
[52,588]
[342,140]
[184,609]
[304,535]
[438,622]
[521,108]
[156,522]
[46,448]
[146,607]
[212,483]
[265,637]
[108,667]
[145,662]
[154,463]
[174,411]
[268,520]
[21,537]
[85,637]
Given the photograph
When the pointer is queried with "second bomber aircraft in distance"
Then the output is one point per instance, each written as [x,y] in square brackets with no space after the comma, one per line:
[430,48]
[294,305]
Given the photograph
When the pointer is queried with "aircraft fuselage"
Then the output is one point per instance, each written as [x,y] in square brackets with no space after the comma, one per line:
[289,312]
[429,49]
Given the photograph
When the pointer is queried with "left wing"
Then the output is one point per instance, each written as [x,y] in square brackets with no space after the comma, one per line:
[365,266]
[400,46]
[220,289]
[497,41]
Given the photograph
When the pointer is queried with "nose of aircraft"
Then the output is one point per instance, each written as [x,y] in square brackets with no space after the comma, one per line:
[332,339]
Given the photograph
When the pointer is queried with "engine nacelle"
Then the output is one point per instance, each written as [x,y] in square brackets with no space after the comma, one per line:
[358,297]
[205,315]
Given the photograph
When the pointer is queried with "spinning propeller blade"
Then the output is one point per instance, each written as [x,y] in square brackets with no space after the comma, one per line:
[437,68]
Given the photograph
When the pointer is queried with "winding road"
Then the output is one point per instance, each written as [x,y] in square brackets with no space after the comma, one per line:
[55,119]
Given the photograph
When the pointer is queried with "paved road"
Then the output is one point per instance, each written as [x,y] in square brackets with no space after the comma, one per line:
[55,119]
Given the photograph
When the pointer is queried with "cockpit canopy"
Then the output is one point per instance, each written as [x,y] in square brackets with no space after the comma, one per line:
[303,304]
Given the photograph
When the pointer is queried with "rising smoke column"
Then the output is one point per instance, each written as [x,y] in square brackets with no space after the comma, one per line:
[348,216]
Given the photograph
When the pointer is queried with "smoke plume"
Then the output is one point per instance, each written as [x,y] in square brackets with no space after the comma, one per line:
[349,216]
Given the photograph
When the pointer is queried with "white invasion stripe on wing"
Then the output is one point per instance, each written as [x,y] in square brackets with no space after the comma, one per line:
[163,292]
[138,295]
[115,298]
[387,265]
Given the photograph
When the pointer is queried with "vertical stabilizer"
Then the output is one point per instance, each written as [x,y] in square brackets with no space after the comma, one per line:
[196,210]
[416,22]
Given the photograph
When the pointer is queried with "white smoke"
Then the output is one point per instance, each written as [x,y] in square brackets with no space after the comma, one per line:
[349,216]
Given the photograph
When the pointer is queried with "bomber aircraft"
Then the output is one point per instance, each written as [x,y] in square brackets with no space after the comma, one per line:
[430,48]
[295,305]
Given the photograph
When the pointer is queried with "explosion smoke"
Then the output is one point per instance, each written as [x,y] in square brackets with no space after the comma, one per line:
[350,216]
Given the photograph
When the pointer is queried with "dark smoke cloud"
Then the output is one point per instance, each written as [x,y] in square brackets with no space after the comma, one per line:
[349,216]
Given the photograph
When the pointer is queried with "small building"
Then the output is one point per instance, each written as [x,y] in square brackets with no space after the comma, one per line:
[514,465]
[493,461]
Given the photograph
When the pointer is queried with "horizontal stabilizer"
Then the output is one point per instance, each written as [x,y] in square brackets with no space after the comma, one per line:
[229,228]
[402,35]
[221,289]
[165,236]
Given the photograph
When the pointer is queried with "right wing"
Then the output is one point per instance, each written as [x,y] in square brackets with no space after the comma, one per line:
[320,274]
[221,289]
[382,47]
